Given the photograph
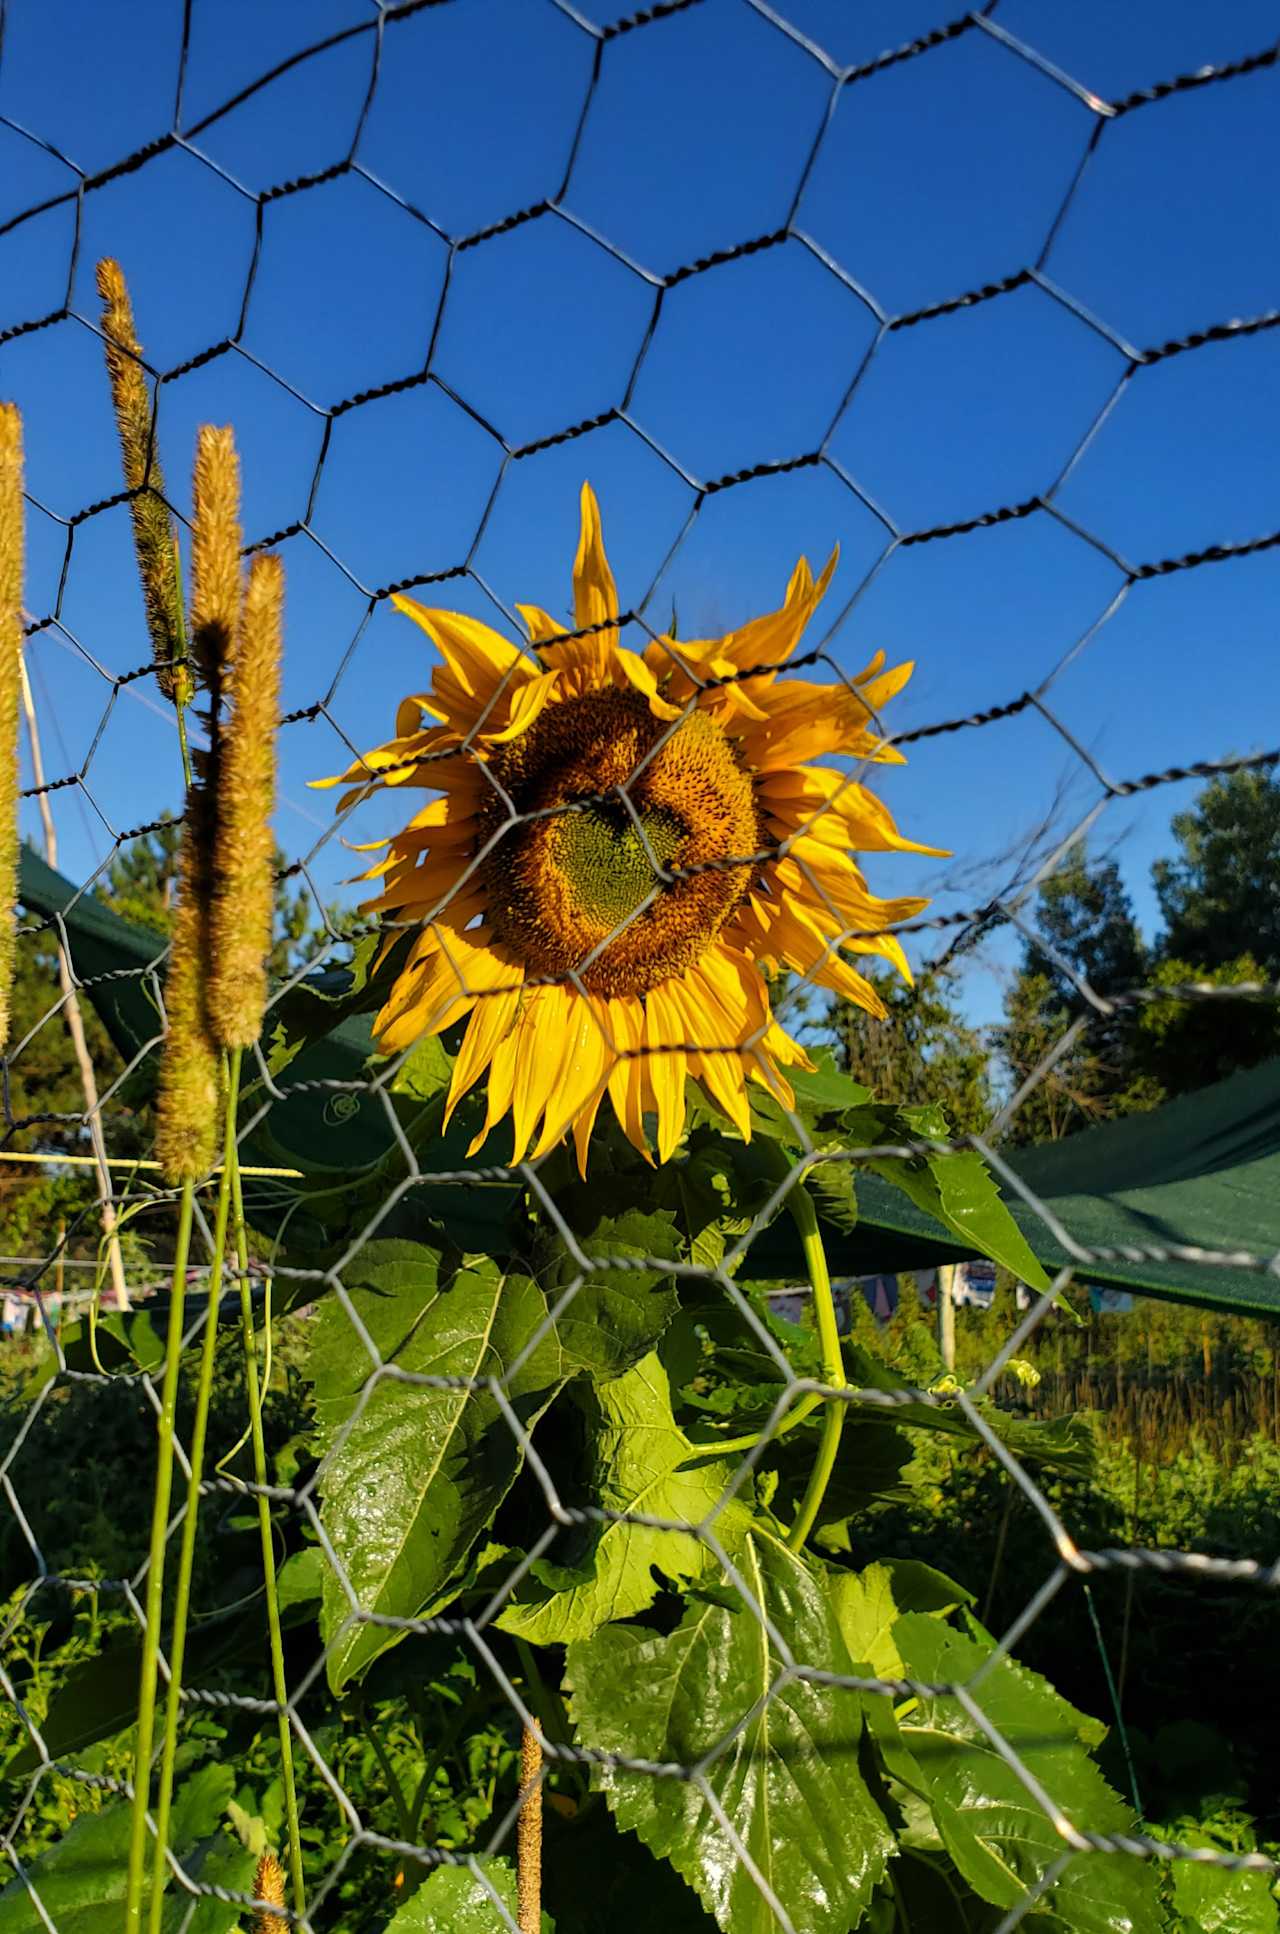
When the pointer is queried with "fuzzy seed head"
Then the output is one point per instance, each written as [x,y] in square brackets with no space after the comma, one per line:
[153,535]
[216,538]
[187,1103]
[268,1884]
[244,854]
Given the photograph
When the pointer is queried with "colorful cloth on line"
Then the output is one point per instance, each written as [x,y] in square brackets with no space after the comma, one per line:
[881,1293]
[974,1283]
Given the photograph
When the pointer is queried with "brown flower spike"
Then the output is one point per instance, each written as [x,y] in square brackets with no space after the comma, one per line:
[11,560]
[153,535]
[187,1105]
[216,538]
[268,1884]
[243,865]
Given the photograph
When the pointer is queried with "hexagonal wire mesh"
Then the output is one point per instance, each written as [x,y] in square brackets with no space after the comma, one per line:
[591,53]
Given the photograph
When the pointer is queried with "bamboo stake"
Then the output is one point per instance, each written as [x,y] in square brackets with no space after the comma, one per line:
[529,1835]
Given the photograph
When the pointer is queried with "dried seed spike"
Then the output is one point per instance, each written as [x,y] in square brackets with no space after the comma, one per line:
[268,1884]
[11,565]
[243,862]
[187,1104]
[153,536]
[215,552]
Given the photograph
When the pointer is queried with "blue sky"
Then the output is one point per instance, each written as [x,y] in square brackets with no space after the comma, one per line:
[934,177]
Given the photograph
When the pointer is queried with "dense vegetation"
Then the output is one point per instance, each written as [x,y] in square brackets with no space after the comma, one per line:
[1138,1700]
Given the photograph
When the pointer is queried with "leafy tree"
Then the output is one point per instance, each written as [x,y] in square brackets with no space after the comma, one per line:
[1182,1045]
[925,1051]
[1222,888]
[1085,918]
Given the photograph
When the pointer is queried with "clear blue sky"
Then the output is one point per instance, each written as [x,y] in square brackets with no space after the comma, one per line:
[934,177]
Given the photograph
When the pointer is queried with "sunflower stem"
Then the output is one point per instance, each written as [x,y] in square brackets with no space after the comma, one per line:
[155,1572]
[804,1215]
[190,1522]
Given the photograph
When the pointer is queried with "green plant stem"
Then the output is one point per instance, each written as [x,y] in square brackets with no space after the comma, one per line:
[155,1572]
[370,1730]
[725,1446]
[190,1522]
[804,1215]
[444,1744]
[275,1640]
[183,746]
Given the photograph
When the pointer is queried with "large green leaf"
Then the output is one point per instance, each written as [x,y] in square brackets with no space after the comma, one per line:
[1213,1901]
[957,1189]
[615,1315]
[639,1453]
[81,1878]
[866,1613]
[1000,1837]
[1066,1443]
[454,1901]
[786,1776]
[420,1468]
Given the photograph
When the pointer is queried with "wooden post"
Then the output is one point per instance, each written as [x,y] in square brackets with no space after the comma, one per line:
[946,1316]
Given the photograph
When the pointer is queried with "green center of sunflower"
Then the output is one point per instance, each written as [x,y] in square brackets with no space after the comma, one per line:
[574,884]
[602,853]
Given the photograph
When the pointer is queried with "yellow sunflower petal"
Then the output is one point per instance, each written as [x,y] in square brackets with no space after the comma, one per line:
[719,1065]
[540,624]
[543,1026]
[626,1077]
[638,673]
[584,1064]
[502,1076]
[582,1131]
[595,595]
[447,973]
[531,700]
[663,1036]
[491,1019]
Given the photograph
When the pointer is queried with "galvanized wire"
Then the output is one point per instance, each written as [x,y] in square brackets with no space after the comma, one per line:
[959,931]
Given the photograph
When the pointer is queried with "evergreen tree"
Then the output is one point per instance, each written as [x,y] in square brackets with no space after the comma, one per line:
[1220,894]
[1085,918]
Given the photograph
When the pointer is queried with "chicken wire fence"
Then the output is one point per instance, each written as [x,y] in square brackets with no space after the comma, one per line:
[951,934]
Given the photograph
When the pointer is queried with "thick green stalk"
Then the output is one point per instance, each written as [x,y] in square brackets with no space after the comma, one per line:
[155,1573]
[276,1642]
[805,1218]
[190,1523]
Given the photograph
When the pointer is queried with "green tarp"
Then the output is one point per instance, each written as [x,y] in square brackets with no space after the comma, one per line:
[1201,1173]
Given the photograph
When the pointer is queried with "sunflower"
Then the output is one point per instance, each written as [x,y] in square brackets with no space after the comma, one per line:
[624,845]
